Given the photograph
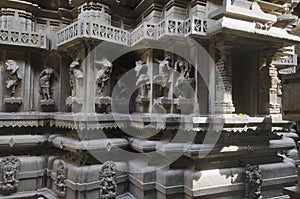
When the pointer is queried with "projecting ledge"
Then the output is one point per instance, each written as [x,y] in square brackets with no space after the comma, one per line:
[251,29]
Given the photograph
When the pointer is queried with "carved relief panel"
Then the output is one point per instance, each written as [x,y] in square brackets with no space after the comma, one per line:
[60,181]
[108,184]
[9,168]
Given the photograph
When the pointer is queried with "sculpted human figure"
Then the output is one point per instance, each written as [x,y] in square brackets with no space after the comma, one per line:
[75,75]
[103,75]
[181,85]
[45,83]
[164,74]
[14,76]
[143,78]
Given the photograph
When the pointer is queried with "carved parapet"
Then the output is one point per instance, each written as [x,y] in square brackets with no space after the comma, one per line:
[92,30]
[23,38]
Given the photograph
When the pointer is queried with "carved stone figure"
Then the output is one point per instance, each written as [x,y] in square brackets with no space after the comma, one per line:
[266,26]
[60,182]
[75,75]
[45,83]
[108,185]
[14,76]
[253,182]
[184,79]
[164,74]
[143,78]
[9,168]
[103,75]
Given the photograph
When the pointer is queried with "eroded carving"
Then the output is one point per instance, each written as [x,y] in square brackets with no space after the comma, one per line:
[108,185]
[46,78]
[14,75]
[103,75]
[253,182]
[9,168]
[143,77]
[75,75]
[261,26]
[60,181]
[182,84]
[163,78]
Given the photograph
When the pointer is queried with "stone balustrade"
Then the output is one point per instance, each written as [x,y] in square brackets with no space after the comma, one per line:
[170,27]
[94,30]
[23,38]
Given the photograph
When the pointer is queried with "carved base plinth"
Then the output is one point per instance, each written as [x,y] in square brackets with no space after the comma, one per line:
[185,105]
[224,107]
[103,104]
[49,102]
[120,105]
[13,100]
[164,103]
[72,100]
[273,108]
[144,103]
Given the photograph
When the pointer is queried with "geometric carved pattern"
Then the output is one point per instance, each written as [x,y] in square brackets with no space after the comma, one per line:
[108,184]
[9,168]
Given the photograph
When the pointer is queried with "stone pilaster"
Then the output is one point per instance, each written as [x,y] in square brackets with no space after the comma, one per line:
[268,103]
[224,103]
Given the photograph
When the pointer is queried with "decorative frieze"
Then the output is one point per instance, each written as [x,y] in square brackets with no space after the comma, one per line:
[9,168]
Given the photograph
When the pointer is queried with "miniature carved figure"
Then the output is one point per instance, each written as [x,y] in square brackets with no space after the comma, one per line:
[266,26]
[103,75]
[143,78]
[75,75]
[9,168]
[45,83]
[253,182]
[60,182]
[164,74]
[14,76]
[108,185]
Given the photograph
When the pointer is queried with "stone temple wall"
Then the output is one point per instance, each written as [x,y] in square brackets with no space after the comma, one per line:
[145,99]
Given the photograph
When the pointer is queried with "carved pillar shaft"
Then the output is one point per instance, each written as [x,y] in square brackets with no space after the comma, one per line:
[224,103]
[268,103]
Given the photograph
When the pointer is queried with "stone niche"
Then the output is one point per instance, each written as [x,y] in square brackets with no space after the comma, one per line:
[94,12]
[14,19]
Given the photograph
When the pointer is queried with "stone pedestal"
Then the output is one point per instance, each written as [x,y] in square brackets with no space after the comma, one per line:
[103,104]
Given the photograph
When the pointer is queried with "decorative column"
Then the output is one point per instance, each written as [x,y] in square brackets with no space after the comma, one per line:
[268,82]
[224,103]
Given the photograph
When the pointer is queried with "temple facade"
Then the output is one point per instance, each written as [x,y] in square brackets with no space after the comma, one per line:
[148,99]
